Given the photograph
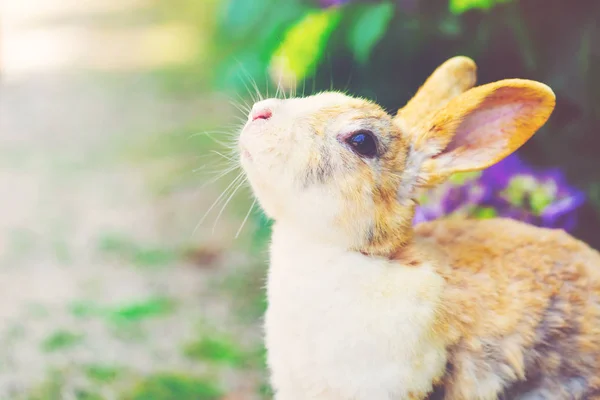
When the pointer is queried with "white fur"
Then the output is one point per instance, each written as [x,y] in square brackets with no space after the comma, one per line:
[340,325]
[344,326]
[277,154]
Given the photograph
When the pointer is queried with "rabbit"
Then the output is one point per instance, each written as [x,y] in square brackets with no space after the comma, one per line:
[362,305]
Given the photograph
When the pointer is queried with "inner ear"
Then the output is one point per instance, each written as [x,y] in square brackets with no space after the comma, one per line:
[485,125]
[483,133]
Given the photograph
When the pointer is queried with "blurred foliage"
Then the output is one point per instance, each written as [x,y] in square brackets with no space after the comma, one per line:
[127,313]
[303,45]
[368,28]
[171,386]
[61,340]
[102,373]
[145,256]
[53,388]
[217,349]
[509,189]
[460,6]
[144,309]
[385,49]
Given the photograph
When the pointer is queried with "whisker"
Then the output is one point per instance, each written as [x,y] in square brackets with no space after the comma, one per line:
[245,218]
[226,203]
[303,85]
[223,155]
[348,82]
[244,102]
[219,172]
[277,92]
[230,146]
[202,168]
[239,107]
[252,81]
[330,71]
[254,99]
[234,182]
[256,96]
[215,167]
[209,133]
[221,175]
[267,82]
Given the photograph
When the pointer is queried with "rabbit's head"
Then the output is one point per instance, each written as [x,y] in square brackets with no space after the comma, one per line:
[345,172]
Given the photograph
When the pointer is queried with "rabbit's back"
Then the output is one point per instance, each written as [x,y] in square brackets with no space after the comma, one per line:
[522,309]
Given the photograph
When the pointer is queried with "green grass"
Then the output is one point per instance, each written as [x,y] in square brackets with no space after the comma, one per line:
[140,255]
[85,309]
[247,289]
[53,388]
[174,386]
[125,319]
[247,285]
[103,373]
[61,340]
[137,311]
[217,349]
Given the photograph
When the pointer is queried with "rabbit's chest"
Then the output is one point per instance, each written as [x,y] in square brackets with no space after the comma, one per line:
[340,330]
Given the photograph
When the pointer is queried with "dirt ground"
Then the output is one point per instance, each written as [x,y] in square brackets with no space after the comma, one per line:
[98,289]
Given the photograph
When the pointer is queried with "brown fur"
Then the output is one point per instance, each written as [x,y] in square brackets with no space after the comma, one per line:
[452,153]
[436,139]
[521,312]
[450,79]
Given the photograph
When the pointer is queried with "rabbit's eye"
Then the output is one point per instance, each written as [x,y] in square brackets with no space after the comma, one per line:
[363,143]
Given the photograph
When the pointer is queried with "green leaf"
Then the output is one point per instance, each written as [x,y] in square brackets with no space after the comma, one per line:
[368,29]
[461,178]
[461,6]
[485,213]
[239,17]
[521,32]
[450,26]
[303,45]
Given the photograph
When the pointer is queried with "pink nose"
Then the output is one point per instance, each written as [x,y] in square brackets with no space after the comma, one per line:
[263,113]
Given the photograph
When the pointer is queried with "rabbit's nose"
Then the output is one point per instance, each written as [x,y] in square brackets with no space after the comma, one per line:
[263,109]
[261,113]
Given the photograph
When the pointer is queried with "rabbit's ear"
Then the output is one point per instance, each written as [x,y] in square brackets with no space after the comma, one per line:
[449,80]
[479,128]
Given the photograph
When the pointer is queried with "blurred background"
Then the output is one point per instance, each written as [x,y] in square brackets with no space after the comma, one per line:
[132,258]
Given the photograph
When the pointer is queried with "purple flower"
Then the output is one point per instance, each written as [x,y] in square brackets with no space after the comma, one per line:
[559,212]
[499,174]
[407,6]
[510,189]
[332,3]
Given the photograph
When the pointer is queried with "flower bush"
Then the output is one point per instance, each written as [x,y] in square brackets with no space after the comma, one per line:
[385,49]
[509,189]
